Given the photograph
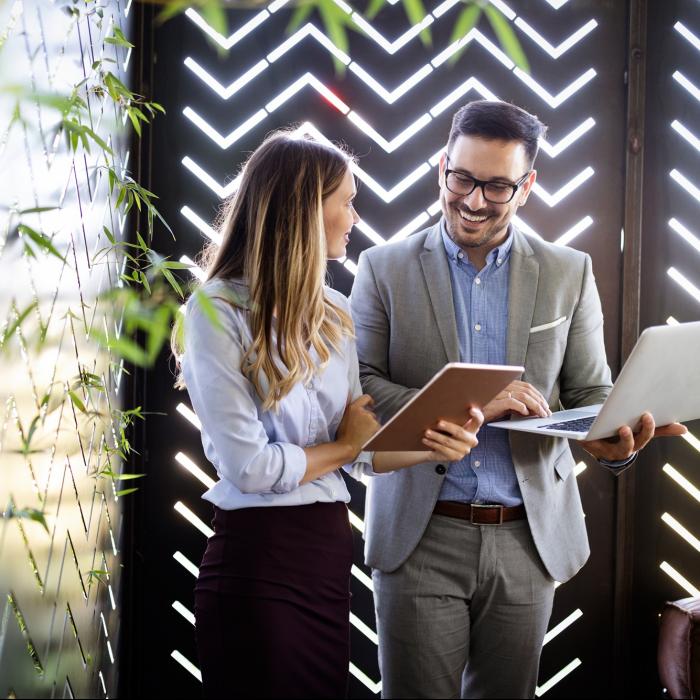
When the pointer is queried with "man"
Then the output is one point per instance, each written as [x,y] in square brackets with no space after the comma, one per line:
[464,589]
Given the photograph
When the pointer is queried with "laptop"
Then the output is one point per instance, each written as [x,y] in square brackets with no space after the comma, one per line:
[661,376]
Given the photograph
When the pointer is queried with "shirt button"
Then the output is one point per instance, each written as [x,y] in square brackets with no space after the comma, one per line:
[477,463]
[478,280]
[477,327]
[460,255]
[499,261]
[440,469]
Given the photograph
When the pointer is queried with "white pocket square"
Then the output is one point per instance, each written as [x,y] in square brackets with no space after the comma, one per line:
[545,326]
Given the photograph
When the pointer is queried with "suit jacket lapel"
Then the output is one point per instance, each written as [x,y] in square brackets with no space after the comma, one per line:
[522,293]
[437,278]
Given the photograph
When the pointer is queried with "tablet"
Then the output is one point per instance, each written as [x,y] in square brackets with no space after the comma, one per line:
[447,396]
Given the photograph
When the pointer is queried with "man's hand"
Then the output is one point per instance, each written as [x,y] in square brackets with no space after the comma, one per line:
[621,447]
[518,397]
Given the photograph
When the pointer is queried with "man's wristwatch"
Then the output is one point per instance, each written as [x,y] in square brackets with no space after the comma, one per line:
[617,465]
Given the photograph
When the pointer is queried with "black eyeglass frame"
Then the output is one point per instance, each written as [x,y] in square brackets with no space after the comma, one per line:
[482,184]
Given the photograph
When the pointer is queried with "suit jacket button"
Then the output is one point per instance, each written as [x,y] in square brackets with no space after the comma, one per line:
[440,469]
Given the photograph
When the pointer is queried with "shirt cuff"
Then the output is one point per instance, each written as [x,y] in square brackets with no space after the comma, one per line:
[617,466]
[361,466]
[293,468]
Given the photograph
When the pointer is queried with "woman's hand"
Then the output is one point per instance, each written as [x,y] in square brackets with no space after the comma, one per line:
[358,425]
[453,441]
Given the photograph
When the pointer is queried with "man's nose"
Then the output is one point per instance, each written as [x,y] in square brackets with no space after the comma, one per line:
[475,199]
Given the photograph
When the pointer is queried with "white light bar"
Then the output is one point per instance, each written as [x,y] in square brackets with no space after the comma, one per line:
[542,689]
[197,271]
[226,92]
[574,231]
[556,51]
[551,200]
[579,468]
[686,184]
[505,9]
[362,577]
[375,688]
[391,47]
[350,266]
[684,233]
[389,195]
[188,515]
[187,664]
[367,631]
[454,95]
[684,282]
[402,89]
[553,150]
[680,78]
[557,4]
[679,579]
[189,414]
[356,521]
[682,531]
[181,559]
[233,39]
[208,180]
[193,469]
[688,135]
[692,440]
[410,227]
[388,146]
[687,34]
[566,622]
[373,236]
[224,142]
[202,225]
[187,614]
[555,101]
[682,481]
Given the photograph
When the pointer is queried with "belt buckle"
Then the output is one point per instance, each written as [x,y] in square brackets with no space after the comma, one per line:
[485,505]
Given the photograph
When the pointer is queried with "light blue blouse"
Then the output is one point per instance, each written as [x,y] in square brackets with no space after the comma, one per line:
[258,454]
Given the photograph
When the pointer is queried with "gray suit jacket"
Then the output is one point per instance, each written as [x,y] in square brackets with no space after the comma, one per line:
[406,331]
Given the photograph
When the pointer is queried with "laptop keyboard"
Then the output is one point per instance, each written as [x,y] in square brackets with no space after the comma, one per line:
[578,425]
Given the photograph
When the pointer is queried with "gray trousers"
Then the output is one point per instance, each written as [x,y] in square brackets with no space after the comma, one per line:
[465,615]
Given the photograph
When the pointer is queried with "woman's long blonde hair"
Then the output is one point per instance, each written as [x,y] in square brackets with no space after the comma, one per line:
[273,238]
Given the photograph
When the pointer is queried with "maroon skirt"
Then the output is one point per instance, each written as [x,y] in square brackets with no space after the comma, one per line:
[272,603]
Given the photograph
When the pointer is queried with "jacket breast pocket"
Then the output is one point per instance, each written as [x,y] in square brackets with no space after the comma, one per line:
[549,332]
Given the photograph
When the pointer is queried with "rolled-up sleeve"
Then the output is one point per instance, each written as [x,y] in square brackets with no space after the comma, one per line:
[224,401]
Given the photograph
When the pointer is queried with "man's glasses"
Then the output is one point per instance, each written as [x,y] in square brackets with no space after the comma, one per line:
[461,184]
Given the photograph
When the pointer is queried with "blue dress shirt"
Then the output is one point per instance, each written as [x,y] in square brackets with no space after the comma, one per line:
[486,474]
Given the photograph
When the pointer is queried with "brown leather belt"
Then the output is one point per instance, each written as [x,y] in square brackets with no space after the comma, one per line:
[480,514]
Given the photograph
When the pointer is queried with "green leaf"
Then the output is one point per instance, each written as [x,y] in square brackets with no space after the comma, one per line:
[335,21]
[37,210]
[122,346]
[127,477]
[119,39]
[32,429]
[173,282]
[213,12]
[300,14]
[176,265]
[415,11]
[42,240]
[126,492]
[204,302]
[374,7]
[77,402]
[465,23]
[158,332]
[110,236]
[9,331]
[507,38]
[145,282]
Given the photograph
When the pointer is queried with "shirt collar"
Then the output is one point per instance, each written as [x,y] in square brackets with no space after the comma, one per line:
[498,255]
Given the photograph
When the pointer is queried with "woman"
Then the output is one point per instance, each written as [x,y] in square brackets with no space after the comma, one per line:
[274,380]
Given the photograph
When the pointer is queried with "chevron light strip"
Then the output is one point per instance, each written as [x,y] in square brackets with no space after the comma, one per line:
[187,614]
[551,200]
[365,679]
[687,84]
[188,515]
[541,690]
[682,531]
[202,225]
[688,135]
[308,79]
[189,414]
[187,664]
[684,282]
[195,470]
[686,184]
[181,559]
[367,631]
[555,101]
[685,234]
[688,437]
[681,580]
[556,51]
[687,34]
[558,629]
[686,485]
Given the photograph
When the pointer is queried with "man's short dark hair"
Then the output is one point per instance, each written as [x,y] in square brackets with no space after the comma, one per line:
[489,119]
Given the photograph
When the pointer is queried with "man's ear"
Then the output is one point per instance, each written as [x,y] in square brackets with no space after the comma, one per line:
[526,187]
[441,169]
